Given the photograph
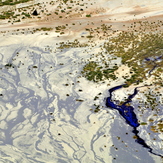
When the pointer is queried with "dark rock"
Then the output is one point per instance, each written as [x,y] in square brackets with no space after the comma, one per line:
[35,13]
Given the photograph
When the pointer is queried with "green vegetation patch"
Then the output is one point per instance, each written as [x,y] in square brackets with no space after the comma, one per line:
[141,50]
[143,123]
[160,126]
[6,15]
[25,14]
[97,109]
[65,1]
[46,29]
[12,2]
[73,44]
[88,15]
[93,72]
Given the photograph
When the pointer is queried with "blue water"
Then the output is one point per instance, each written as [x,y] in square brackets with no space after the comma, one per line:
[127,112]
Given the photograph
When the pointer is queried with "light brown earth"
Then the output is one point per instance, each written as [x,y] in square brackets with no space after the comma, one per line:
[119,20]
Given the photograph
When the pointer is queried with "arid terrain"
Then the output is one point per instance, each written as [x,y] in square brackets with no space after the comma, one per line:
[58,62]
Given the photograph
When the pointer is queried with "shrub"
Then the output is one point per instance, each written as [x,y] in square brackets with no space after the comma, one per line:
[88,15]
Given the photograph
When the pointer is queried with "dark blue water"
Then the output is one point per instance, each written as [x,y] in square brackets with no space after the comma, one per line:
[127,112]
